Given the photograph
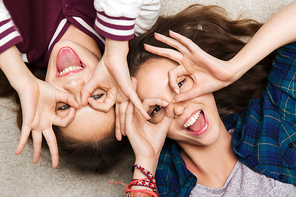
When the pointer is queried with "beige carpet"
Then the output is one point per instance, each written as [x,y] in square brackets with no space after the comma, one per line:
[19,177]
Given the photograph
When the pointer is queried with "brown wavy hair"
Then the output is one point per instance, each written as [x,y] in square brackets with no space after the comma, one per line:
[211,29]
[98,155]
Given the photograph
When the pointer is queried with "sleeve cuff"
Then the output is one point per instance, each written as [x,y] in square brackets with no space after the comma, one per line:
[9,35]
[115,28]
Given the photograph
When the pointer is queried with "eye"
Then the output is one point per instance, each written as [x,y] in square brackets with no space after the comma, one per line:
[97,96]
[155,110]
[64,107]
[180,84]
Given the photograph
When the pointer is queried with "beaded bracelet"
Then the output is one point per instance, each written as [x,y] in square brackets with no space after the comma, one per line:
[142,182]
[152,183]
[140,191]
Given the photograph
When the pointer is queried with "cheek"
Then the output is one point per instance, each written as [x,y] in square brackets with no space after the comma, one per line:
[173,131]
[50,71]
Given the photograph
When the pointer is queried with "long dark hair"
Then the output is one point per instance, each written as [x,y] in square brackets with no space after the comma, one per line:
[98,155]
[211,29]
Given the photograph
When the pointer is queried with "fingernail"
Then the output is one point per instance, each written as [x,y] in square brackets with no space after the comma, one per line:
[177,91]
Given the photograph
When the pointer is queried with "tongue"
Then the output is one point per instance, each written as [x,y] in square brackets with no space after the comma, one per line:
[66,58]
[199,124]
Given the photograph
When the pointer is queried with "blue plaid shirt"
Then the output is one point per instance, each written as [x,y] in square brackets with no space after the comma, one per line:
[172,176]
[264,137]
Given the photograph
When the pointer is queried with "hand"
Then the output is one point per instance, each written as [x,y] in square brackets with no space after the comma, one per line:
[146,138]
[120,115]
[209,73]
[38,101]
[112,75]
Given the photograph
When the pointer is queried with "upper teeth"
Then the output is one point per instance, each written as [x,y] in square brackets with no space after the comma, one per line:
[192,120]
[71,68]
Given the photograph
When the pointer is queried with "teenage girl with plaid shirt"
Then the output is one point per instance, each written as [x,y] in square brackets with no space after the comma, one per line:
[204,158]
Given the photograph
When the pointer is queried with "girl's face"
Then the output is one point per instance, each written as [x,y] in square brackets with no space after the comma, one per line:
[196,121]
[70,67]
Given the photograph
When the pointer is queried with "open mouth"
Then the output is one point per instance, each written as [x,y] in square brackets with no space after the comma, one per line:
[68,62]
[196,124]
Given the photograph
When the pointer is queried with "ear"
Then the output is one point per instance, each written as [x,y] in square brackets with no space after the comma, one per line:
[134,83]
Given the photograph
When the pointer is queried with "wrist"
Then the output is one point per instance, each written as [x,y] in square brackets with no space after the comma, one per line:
[237,68]
[25,80]
[147,182]
[149,164]
[116,48]
[15,69]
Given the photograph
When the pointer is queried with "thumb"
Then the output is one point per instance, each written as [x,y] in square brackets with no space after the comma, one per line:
[66,120]
[174,74]
[167,119]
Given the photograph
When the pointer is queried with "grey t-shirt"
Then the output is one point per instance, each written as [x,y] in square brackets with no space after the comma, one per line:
[245,182]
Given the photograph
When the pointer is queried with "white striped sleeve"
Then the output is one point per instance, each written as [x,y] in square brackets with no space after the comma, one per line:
[9,35]
[118,19]
[120,28]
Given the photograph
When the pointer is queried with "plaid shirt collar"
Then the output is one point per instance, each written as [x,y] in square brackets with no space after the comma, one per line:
[172,176]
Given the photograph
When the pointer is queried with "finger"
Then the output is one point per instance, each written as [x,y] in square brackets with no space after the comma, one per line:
[118,134]
[67,98]
[135,133]
[172,42]
[134,83]
[129,91]
[174,74]
[37,142]
[104,106]
[87,91]
[129,117]
[148,102]
[184,41]
[165,52]
[23,139]
[122,110]
[138,104]
[66,120]
[53,146]
[189,94]
[167,119]
[169,112]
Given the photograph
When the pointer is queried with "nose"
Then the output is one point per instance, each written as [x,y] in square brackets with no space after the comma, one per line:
[179,108]
[74,86]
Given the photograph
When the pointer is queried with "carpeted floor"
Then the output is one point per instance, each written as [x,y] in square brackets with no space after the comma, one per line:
[19,177]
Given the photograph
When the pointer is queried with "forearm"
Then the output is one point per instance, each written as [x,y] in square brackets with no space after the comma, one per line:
[14,68]
[276,32]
